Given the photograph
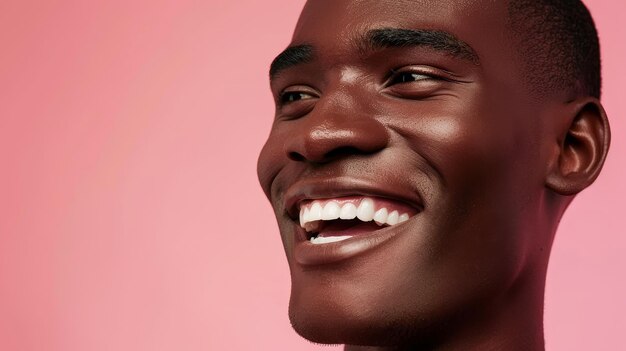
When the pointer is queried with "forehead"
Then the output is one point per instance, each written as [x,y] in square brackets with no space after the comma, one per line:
[332,25]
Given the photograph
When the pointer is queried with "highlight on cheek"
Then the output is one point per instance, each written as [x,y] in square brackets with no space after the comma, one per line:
[443,128]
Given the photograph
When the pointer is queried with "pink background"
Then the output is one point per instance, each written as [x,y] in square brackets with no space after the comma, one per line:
[130,214]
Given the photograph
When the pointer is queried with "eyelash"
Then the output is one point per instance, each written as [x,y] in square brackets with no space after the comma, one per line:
[399,77]
[285,96]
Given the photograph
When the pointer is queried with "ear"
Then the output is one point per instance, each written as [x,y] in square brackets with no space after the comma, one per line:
[583,143]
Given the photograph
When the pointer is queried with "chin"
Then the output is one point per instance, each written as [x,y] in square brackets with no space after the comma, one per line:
[337,321]
[327,327]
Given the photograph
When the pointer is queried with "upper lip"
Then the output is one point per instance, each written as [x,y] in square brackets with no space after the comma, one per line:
[316,188]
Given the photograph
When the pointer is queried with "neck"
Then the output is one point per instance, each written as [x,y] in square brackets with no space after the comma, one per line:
[512,324]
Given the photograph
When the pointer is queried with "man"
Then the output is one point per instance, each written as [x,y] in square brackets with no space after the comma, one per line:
[421,157]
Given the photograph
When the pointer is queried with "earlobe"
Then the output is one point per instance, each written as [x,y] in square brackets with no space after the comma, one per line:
[582,148]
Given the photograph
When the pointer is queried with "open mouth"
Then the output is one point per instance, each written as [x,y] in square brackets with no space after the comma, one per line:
[332,220]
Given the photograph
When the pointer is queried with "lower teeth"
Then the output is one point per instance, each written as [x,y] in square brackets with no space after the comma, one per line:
[331,239]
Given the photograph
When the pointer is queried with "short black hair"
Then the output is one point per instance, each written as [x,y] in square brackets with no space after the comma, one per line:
[558,44]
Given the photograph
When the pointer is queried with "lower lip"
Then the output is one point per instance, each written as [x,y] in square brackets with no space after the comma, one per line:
[309,254]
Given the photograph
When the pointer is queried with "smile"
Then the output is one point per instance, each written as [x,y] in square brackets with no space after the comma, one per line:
[337,219]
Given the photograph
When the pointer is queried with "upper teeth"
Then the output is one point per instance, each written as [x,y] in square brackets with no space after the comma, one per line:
[365,211]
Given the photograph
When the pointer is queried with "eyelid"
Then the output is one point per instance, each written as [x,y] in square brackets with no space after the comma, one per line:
[295,92]
[438,81]
[428,71]
[436,73]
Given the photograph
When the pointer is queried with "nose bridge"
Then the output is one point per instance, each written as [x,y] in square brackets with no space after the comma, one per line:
[341,101]
[345,96]
[341,124]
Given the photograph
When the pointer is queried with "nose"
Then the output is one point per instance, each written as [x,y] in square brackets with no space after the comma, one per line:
[329,136]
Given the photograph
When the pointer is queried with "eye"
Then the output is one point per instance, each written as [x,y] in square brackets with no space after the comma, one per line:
[295,101]
[293,96]
[416,82]
[408,77]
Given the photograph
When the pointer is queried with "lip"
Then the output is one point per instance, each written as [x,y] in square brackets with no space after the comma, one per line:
[308,254]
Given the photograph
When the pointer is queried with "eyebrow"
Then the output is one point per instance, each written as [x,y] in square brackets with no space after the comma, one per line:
[434,39]
[291,56]
[376,39]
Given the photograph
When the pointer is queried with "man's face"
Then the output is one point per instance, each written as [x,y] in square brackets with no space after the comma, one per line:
[414,107]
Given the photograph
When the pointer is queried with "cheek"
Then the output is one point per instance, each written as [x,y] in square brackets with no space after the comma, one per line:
[482,184]
[459,137]
[270,161]
[474,141]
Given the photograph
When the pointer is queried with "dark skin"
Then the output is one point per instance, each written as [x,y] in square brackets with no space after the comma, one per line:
[444,123]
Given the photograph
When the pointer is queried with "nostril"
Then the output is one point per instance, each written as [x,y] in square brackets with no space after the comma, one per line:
[294,156]
[342,152]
